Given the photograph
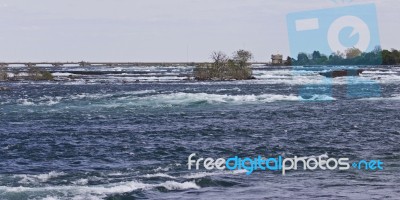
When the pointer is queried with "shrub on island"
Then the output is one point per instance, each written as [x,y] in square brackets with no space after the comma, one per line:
[33,73]
[37,74]
[3,75]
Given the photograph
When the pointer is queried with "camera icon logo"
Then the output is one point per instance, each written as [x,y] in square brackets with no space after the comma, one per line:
[331,33]
[359,27]
[333,30]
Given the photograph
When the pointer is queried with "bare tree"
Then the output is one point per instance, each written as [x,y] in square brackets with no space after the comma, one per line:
[219,57]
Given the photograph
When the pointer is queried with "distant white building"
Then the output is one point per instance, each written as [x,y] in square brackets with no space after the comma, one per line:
[277,59]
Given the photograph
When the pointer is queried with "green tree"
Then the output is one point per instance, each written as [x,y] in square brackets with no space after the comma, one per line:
[288,61]
[323,60]
[316,55]
[302,59]
[396,56]
[336,58]
[387,58]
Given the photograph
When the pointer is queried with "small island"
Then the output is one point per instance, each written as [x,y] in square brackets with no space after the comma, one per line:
[33,73]
[226,68]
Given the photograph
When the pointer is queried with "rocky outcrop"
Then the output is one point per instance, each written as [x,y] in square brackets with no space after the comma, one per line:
[341,73]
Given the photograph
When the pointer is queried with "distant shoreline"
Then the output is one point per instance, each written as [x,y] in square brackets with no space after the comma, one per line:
[111,64]
[145,64]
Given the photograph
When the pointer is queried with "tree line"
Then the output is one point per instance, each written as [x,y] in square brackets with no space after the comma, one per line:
[351,56]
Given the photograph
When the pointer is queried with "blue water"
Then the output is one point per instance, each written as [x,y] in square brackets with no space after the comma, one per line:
[112,137]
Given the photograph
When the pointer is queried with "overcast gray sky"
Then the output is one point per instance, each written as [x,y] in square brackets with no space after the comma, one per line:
[159,30]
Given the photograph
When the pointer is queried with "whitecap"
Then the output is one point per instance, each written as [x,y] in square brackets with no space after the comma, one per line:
[229,89]
[25,102]
[172,185]
[215,173]
[162,175]
[28,178]
[165,169]
[317,97]
[99,191]
[59,74]
[394,97]
[187,98]
[82,181]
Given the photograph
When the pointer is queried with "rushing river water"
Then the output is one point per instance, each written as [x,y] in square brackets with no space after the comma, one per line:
[127,132]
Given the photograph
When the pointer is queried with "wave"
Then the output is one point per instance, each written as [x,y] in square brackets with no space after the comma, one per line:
[216,173]
[50,101]
[188,98]
[229,89]
[159,175]
[98,191]
[60,74]
[27,178]
[158,169]
[45,100]
[196,175]
[172,185]
[25,102]
[82,181]
[379,72]
[151,98]
[317,97]
[105,95]
[394,97]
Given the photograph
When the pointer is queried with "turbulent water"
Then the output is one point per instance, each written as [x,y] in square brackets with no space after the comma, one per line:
[127,132]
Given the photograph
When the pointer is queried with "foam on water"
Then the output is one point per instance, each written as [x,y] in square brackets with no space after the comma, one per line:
[395,97]
[50,101]
[229,89]
[60,74]
[82,181]
[98,191]
[378,72]
[162,175]
[25,102]
[27,178]
[317,97]
[158,169]
[196,175]
[152,98]
[217,173]
[187,98]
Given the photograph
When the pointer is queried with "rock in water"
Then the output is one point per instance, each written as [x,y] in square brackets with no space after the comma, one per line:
[4,88]
[341,73]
